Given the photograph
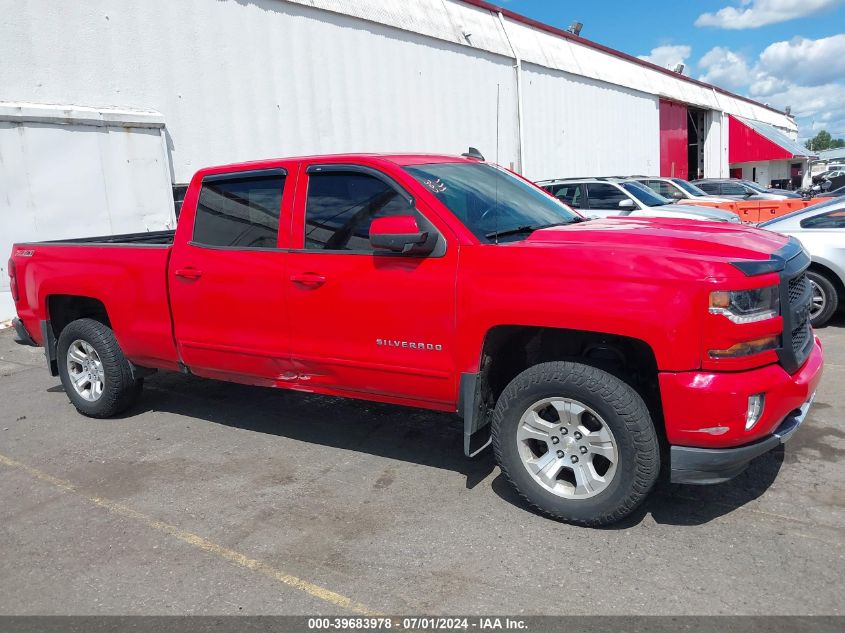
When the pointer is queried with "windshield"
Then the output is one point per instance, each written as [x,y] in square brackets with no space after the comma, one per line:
[490,201]
[754,186]
[647,196]
[689,187]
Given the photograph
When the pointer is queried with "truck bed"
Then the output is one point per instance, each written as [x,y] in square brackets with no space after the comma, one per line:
[147,238]
[126,273]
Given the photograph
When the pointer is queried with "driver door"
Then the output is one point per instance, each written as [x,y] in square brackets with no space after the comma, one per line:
[363,321]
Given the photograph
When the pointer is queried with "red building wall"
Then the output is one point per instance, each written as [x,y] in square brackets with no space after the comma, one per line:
[745,145]
[673,140]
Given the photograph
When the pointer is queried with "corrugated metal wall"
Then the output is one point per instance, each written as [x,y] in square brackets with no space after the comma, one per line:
[580,127]
[245,79]
[239,80]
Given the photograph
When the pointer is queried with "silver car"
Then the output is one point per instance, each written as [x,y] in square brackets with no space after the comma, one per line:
[678,189]
[606,197]
[737,189]
[821,229]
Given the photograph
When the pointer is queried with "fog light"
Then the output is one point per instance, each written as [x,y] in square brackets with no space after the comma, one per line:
[755,410]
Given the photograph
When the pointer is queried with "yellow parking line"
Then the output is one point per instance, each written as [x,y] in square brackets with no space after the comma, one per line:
[316,591]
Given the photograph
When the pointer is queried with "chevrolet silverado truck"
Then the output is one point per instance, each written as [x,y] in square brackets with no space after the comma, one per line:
[589,353]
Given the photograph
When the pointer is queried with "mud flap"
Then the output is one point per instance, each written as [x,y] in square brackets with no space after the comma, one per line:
[49,347]
[474,409]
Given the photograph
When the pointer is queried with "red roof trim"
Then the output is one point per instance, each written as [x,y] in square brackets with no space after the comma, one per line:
[481,4]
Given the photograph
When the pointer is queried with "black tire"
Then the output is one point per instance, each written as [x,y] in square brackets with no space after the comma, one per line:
[120,390]
[622,410]
[831,298]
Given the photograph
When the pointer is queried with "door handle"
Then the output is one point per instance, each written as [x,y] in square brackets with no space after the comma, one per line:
[308,279]
[188,273]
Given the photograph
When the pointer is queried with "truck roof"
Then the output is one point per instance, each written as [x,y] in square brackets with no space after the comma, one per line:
[398,159]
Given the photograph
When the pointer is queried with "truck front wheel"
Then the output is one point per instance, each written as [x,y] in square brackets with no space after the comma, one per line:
[94,372]
[576,443]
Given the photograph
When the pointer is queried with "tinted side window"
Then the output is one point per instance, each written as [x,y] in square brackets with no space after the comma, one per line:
[830,220]
[239,211]
[663,188]
[603,196]
[709,187]
[342,205]
[570,194]
[733,189]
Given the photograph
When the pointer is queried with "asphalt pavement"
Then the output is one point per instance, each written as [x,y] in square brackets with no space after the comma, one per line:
[215,498]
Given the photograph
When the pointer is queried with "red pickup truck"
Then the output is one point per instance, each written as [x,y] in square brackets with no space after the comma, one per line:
[588,352]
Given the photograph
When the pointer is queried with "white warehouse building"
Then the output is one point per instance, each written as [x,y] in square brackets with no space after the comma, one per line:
[106,104]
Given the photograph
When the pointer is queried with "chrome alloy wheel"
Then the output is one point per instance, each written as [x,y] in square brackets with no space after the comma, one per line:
[819,300]
[567,448]
[85,370]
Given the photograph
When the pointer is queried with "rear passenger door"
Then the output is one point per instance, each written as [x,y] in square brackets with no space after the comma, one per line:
[571,194]
[664,189]
[604,199]
[711,188]
[735,190]
[227,283]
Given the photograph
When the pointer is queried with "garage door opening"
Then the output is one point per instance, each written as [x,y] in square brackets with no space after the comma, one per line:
[696,135]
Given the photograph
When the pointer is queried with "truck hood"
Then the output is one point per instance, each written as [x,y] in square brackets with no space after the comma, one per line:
[715,240]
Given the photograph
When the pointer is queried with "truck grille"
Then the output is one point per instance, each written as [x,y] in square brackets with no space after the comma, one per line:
[797,287]
[796,317]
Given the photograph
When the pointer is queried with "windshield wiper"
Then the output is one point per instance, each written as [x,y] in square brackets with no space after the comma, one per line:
[530,228]
[527,228]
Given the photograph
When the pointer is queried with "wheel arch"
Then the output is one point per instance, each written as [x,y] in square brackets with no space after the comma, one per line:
[822,268]
[62,309]
[508,350]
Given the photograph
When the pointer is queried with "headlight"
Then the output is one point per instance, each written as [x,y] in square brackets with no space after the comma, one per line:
[746,306]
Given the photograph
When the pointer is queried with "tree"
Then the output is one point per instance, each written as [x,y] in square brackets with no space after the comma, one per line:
[823,141]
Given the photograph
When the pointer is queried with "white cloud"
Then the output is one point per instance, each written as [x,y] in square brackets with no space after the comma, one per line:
[764,85]
[724,67]
[669,56]
[785,75]
[752,14]
[806,62]
[815,108]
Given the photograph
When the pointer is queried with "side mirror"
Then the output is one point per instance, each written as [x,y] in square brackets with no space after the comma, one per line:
[627,203]
[677,195]
[400,234]
[826,185]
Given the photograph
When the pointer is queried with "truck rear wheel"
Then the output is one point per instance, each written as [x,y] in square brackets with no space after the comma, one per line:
[94,372]
[576,443]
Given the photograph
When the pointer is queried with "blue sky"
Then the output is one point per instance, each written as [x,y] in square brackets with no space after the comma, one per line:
[780,52]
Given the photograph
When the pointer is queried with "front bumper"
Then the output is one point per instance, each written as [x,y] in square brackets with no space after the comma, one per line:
[704,409]
[22,337]
[692,465]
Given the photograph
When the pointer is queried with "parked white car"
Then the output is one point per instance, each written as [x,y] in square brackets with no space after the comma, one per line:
[821,229]
[606,197]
